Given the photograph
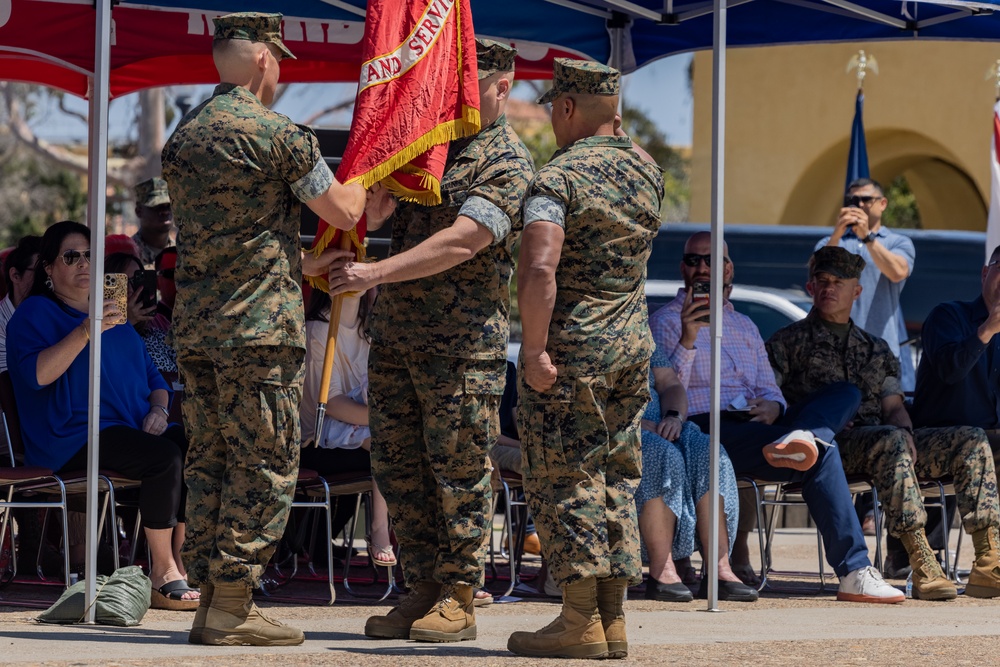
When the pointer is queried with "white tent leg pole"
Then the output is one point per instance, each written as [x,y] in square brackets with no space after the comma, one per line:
[96,201]
[718,195]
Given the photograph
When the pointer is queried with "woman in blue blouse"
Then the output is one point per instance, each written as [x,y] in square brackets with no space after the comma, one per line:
[672,498]
[48,342]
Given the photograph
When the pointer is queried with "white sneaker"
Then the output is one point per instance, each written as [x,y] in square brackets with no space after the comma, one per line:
[867,585]
[797,450]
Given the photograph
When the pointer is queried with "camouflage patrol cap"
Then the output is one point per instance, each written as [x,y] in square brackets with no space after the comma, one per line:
[583,77]
[252,26]
[494,57]
[837,262]
[152,192]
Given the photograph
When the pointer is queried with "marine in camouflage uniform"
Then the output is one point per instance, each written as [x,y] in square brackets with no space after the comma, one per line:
[238,323]
[816,351]
[437,368]
[580,437]
[150,196]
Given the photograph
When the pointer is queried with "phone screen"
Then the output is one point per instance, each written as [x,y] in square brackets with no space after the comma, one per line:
[145,279]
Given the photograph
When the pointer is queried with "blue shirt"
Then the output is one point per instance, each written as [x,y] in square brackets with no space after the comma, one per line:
[958,377]
[54,416]
[878,310]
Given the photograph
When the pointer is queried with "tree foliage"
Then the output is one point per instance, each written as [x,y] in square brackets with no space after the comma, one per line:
[34,194]
[902,210]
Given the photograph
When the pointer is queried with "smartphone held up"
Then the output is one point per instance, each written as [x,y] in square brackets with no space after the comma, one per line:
[116,289]
[700,292]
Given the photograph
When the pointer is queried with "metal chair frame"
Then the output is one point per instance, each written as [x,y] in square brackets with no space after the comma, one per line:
[788,494]
[507,481]
[316,492]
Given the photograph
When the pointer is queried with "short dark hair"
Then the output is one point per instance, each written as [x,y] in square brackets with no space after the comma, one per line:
[996,251]
[19,258]
[862,182]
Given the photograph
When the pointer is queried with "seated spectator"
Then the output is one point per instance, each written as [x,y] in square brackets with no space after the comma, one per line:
[672,498]
[47,343]
[119,243]
[777,443]
[144,320]
[345,444]
[881,442]
[3,280]
[19,269]
[121,262]
[957,384]
[957,379]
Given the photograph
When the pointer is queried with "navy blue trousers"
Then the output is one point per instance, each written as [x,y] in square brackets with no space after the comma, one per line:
[824,486]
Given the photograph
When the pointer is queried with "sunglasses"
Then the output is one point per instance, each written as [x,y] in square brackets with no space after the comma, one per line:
[692,259]
[71,257]
[857,200]
[167,274]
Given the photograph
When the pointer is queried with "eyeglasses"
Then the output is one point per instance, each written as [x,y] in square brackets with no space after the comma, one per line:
[692,259]
[858,200]
[167,274]
[71,257]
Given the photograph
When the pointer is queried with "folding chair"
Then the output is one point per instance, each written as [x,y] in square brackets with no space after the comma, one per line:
[508,482]
[789,494]
[934,492]
[315,491]
[49,485]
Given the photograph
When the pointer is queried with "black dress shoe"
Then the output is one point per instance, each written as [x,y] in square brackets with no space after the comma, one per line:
[667,592]
[897,565]
[732,591]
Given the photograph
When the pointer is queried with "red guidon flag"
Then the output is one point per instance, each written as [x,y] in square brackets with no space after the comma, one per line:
[418,90]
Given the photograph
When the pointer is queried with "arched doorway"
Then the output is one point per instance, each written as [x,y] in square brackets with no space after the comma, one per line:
[946,195]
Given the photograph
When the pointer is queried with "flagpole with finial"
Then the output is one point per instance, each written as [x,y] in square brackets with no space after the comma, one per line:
[857,157]
[994,73]
[862,62]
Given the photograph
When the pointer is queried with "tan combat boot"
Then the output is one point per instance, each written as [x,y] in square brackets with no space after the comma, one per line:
[451,619]
[234,620]
[412,606]
[576,633]
[610,601]
[984,580]
[201,613]
[929,582]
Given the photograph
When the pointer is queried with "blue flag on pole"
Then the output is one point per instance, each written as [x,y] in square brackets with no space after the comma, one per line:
[857,159]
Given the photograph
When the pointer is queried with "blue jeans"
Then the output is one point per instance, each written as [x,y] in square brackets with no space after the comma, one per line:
[824,486]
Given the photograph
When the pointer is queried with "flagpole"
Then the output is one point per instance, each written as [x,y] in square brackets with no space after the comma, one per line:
[336,305]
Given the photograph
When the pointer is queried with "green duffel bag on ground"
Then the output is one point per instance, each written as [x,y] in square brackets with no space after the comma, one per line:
[122,599]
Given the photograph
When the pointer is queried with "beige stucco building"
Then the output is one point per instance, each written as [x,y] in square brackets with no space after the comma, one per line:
[928,117]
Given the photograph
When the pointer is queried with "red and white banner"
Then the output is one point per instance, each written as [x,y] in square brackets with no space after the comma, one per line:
[993,222]
[418,90]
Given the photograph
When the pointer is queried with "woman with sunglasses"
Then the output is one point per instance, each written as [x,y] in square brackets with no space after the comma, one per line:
[48,342]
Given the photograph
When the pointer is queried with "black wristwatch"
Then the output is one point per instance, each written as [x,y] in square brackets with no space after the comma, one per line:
[672,413]
[868,239]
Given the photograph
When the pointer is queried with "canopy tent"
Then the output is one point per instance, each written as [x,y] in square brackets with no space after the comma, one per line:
[162,42]
[170,43]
